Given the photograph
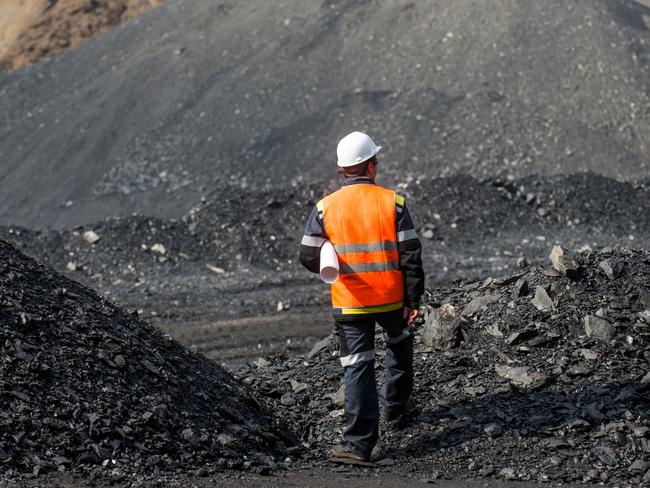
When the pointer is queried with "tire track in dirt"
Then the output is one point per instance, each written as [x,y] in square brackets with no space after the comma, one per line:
[234,341]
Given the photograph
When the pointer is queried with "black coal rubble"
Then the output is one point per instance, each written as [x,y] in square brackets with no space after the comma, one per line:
[456,209]
[247,239]
[522,393]
[87,387]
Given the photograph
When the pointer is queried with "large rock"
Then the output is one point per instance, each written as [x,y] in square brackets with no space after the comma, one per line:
[521,376]
[562,262]
[612,269]
[442,328]
[477,304]
[520,288]
[598,327]
[326,344]
[91,237]
[542,301]
[640,466]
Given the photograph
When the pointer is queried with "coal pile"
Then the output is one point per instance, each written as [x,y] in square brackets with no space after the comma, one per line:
[87,387]
[233,256]
[540,375]
[236,227]
[583,203]
[464,87]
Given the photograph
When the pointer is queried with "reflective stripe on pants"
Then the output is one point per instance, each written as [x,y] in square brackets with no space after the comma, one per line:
[357,354]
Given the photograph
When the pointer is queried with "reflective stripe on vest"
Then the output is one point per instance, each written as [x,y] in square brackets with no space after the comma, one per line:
[360,222]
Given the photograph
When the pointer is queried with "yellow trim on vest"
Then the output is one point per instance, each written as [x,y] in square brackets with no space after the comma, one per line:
[367,310]
[319,206]
[399,200]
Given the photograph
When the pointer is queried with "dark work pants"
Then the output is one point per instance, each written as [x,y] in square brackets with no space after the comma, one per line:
[357,354]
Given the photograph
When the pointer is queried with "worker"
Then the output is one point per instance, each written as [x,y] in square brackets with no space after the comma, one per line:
[380,280]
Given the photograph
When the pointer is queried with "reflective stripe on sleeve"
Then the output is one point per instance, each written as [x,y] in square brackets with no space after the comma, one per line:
[367,247]
[399,200]
[354,268]
[396,340]
[407,235]
[312,241]
[356,358]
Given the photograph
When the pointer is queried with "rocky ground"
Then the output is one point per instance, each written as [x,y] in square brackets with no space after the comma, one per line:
[298,478]
[225,281]
[541,375]
[168,166]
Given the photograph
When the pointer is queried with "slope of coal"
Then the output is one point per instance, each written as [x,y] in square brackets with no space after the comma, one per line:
[193,95]
[86,387]
[518,392]
[234,256]
[238,228]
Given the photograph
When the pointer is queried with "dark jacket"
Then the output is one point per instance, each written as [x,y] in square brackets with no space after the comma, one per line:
[409,247]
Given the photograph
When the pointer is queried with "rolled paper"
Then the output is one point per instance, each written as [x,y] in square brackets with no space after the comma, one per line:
[329,263]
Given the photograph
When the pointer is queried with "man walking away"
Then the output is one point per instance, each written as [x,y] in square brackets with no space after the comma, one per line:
[380,280]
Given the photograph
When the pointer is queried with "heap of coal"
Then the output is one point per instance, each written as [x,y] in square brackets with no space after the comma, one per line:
[85,386]
[247,240]
[234,255]
[540,375]
[258,94]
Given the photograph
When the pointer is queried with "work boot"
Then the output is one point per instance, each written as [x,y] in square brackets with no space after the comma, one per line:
[392,417]
[397,417]
[345,454]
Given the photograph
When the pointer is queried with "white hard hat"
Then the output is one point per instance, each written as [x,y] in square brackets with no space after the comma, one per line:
[355,148]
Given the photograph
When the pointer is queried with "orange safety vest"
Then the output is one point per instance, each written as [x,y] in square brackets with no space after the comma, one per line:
[360,222]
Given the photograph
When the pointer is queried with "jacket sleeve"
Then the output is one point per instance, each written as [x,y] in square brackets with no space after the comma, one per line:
[410,255]
[312,240]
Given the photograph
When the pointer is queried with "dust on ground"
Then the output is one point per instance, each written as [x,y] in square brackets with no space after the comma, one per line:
[32,30]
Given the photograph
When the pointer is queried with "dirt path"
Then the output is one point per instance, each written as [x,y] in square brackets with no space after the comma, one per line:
[316,478]
[358,478]
[236,340]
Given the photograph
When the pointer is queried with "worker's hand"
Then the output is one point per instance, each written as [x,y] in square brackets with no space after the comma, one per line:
[410,315]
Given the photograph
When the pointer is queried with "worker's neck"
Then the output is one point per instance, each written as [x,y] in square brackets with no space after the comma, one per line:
[358,179]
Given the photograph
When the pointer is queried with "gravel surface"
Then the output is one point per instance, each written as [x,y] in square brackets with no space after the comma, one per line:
[322,478]
[195,94]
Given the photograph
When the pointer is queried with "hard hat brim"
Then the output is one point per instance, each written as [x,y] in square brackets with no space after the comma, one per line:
[347,164]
